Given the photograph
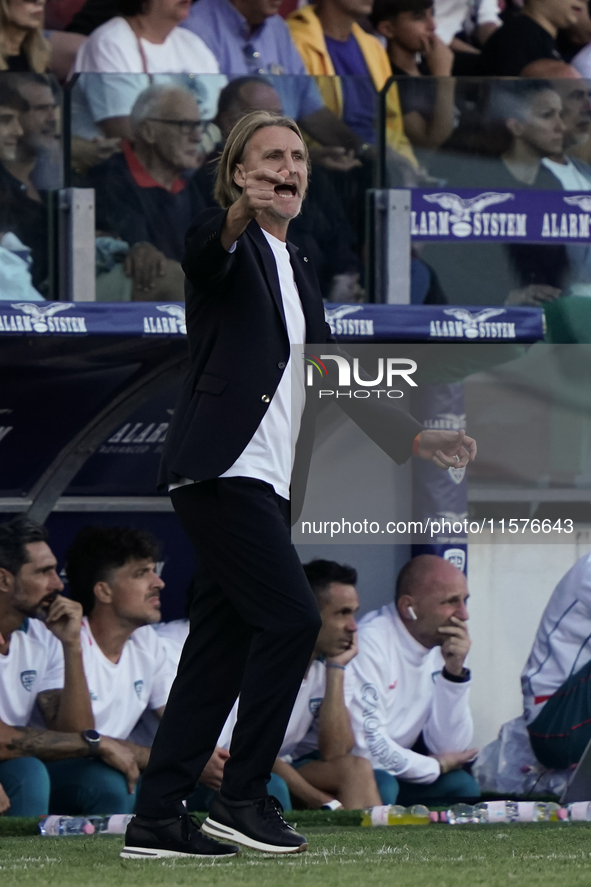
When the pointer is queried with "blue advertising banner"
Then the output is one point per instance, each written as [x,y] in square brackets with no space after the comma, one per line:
[349,323]
[501,216]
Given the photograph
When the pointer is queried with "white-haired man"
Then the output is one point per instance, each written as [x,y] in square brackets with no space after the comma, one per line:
[145,194]
[228,464]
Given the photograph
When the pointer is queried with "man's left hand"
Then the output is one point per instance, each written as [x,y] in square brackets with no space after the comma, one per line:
[455,646]
[64,620]
[447,449]
[213,772]
[4,801]
[347,655]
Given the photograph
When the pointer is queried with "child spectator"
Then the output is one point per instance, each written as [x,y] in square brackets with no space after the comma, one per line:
[414,50]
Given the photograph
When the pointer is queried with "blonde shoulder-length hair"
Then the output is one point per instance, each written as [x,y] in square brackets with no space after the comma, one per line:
[35,46]
[226,191]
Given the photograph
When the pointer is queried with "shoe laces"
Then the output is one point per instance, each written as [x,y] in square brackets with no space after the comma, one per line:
[190,822]
[272,809]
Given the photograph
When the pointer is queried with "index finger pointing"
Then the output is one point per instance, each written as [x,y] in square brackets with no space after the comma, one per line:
[268,175]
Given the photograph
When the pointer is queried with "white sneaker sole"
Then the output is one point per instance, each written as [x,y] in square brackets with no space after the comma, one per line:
[217,830]
[150,853]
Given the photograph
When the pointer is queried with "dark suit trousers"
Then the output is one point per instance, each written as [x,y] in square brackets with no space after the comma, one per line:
[254,622]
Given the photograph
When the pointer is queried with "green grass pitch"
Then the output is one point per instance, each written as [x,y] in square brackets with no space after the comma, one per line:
[339,856]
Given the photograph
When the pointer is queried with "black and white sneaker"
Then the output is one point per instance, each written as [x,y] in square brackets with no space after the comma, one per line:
[257,824]
[165,838]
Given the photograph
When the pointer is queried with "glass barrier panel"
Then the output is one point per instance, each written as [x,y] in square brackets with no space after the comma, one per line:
[499,138]
[31,164]
[149,146]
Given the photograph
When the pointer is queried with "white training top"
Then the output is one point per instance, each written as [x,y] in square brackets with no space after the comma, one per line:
[452,16]
[34,663]
[582,61]
[395,690]
[571,178]
[121,691]
[270,453]
[305,710]
[563,640]
[173,636]
[114,48]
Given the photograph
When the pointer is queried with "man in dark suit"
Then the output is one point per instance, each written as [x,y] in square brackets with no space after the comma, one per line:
[228,464]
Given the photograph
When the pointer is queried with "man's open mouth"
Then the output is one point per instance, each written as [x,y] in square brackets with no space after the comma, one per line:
[289,189]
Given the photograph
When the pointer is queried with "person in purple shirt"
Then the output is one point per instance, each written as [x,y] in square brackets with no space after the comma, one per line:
[248,37]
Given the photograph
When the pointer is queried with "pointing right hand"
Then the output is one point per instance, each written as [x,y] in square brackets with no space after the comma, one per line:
[258,190]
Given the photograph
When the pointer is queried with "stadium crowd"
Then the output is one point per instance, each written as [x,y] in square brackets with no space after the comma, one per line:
[382,716]
[156,85]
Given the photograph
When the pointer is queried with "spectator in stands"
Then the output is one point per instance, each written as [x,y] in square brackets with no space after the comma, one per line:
[528,114]
[523,124]
[331,42]
[38,157]
[528,36]
[11,105]
[466,27]
[23,46]
[23,206]
[39,634]
[145,39]
[409,681]
[144,195]
[574,174]
[248,37]
[414,50]
[322,228]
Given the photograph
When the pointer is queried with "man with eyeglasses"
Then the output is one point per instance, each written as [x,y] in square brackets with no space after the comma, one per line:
[146,196]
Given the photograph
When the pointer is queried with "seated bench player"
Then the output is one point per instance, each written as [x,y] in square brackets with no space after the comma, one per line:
[39,633]
[409,680]
[111,571]
[556,679]
[315,765]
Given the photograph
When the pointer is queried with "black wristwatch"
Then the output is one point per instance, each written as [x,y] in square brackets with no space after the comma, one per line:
[93,740]
[462,678]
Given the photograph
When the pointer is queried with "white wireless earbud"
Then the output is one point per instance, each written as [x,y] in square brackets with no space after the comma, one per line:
[412,614]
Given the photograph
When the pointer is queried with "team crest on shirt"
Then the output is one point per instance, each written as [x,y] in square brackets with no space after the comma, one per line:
[28,678]
[315,704]
[138,687]
[435,675]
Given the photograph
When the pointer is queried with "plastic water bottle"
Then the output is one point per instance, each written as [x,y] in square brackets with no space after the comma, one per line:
[111,825]
[459,814]
[501,811]
[578,812]
[418,815]
[386,815]
[54,826]
[397,815]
